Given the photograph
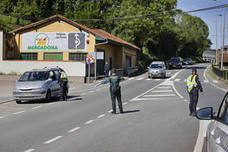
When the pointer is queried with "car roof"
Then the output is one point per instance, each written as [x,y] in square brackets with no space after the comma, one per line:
[158,62]
[44,69]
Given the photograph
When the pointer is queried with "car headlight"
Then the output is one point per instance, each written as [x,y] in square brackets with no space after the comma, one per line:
[42,90]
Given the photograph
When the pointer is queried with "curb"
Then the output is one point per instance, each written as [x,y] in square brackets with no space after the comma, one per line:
[6,101]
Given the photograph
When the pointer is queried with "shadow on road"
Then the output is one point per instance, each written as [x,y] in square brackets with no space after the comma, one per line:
[130,111]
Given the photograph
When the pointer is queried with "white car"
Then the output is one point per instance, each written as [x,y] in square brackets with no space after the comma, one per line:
[217,131]
[157,69]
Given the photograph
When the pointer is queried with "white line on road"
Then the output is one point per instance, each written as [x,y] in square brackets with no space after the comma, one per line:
[131,79]
[157,79]
[177,80]
[215,81]
[51,103]
[1,117]
[148,79]
[140,78]
[91,91]
[169,73]
[124,103]
[109,111]
[205,81]
[160,95]
[168,87]
[101,116]
[74,129]
[185,100]
[89,122]
[52,140]
[83,94]
[145,99]
[37,107]
[162,91]
[19,112]
[29,150]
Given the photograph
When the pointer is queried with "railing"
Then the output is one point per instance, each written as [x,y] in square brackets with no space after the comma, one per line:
[220,73]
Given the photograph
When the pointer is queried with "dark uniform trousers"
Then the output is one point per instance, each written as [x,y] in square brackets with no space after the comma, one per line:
[194,95]
[117,95]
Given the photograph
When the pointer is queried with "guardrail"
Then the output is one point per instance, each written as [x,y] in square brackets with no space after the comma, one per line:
[220,73]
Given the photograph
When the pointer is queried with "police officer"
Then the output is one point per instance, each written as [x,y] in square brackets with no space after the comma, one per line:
[193,86]
[115,91]
[63,83]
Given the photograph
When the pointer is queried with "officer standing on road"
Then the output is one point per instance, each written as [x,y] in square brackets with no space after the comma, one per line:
[193,86]
[63,82]
[115,91]
[106,69]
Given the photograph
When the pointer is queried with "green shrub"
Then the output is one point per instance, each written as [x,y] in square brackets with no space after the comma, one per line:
[12,73]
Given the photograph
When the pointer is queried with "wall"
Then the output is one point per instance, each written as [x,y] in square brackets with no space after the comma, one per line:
[71,68]
[55,26]
[132,53]
[1,45]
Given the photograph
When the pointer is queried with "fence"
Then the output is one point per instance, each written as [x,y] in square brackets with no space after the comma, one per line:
[220,73]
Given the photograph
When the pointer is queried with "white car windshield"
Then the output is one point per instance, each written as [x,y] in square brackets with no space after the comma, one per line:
[34,76]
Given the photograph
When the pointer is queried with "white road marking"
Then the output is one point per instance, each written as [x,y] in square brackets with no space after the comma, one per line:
[177,92]
[131,79]
[52,140]
[157,79]
[1,117]
[98,89]
[91,91]
[133,99]
[160,95]
[206,81]
[168,87]
[202,133]
[124,103]
[177,80]
[140,78]
[19,112]
[29,150]
[89,122]
[74,129]
[101,116]
[162,91]
[215,81]
[83,94]
[51,103]
[109,111]
[37,107]
[185,100]
[169,73]
[145,99]
[148,79]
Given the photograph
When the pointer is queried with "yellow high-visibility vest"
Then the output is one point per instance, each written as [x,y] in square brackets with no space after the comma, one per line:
[191,82]
[63,75]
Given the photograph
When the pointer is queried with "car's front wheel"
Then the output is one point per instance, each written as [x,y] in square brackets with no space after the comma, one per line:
[18,101]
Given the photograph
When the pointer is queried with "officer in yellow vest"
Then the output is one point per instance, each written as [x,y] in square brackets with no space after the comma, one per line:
[63,83]
[193,86]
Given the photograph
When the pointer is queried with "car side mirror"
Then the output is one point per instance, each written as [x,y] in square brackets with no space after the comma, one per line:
[205,113]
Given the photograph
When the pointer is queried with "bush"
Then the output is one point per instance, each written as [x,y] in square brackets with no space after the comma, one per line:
[12,73]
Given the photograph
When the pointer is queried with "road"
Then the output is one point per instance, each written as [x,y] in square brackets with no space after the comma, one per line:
[155,119]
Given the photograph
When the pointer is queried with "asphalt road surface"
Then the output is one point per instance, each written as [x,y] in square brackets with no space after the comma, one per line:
[156,118]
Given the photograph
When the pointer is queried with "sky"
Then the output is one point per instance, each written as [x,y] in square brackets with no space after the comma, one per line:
[209,17]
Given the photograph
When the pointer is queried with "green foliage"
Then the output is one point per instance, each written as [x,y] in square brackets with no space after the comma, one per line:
[160,36]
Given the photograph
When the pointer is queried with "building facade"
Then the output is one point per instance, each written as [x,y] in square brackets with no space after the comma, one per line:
[59,41]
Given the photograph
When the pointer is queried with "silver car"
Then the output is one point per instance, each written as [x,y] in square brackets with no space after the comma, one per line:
[217,131]
[157,69]
[38,84]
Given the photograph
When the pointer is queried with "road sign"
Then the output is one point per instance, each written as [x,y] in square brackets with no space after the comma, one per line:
[89,59]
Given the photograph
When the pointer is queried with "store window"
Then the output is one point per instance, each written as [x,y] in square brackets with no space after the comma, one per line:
[77,56]
[29,56]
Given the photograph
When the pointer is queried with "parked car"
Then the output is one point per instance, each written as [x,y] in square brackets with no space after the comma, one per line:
[175,62]
[188,61]
[217,131]
[157,69]
[38,84]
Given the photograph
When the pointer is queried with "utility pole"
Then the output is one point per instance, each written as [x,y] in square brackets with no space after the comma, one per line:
[223,39]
